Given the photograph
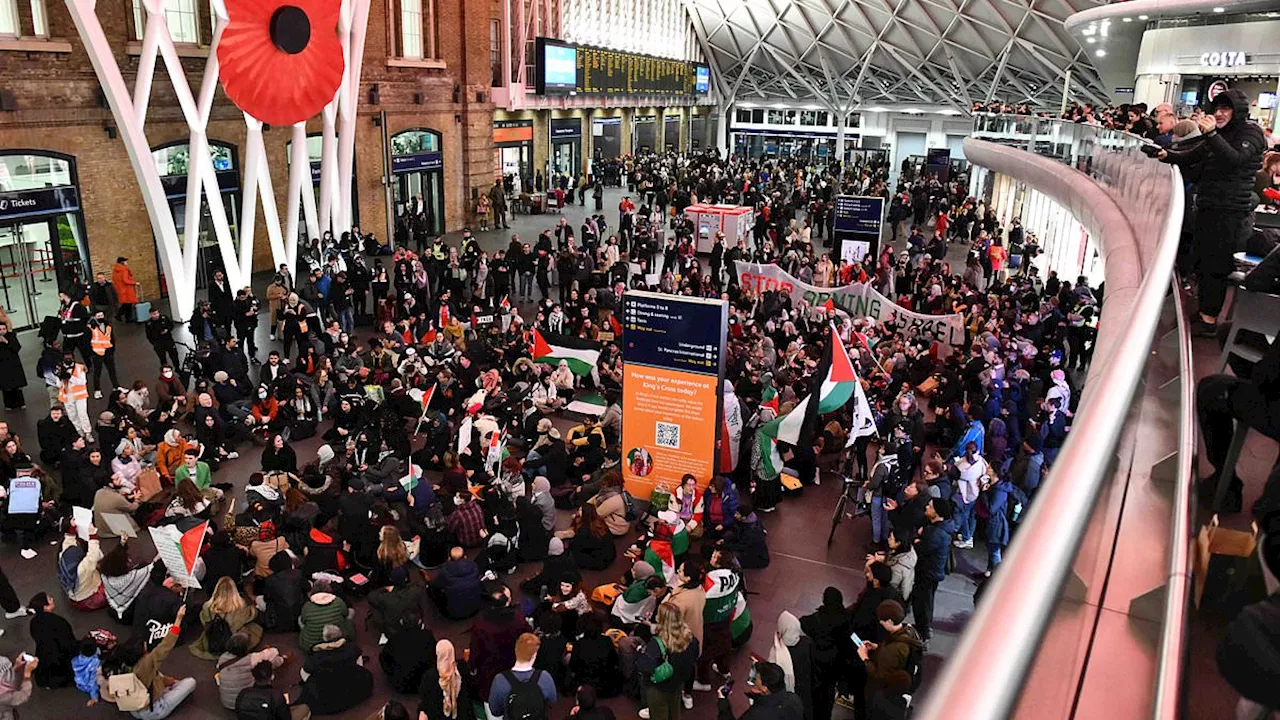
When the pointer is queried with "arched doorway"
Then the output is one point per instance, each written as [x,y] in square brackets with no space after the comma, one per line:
[417,170]
[315,152]
[172,161]
[42,239]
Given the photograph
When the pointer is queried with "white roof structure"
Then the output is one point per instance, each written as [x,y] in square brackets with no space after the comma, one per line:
[846,54]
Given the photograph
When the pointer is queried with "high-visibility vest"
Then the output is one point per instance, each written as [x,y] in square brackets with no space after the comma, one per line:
[75,388]
[100,340]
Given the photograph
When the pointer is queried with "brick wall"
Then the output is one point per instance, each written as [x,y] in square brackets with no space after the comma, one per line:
[58,110]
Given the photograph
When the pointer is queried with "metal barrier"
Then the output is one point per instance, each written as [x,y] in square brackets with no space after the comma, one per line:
[1134,205]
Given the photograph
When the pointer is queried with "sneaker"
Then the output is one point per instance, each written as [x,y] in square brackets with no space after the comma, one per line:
[273,336]
[22,611]
[701,687]
[644,713]
[687,700]
[28,553]
[97,394]
[844,701]
[233,455]
[1202,329]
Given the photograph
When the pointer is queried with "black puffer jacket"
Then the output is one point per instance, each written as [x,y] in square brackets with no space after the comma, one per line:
[1229,159]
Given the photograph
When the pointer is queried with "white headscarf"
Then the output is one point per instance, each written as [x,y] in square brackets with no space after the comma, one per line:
[784,639]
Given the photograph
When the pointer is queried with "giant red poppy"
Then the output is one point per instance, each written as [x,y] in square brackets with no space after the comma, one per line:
[281,60]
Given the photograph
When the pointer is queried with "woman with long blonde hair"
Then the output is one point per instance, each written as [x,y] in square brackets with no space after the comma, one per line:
[236,614]
[668,660]
[444,693]
[392,552]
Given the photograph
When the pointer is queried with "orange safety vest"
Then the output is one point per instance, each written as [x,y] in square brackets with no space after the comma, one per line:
[75,388]
[100,340]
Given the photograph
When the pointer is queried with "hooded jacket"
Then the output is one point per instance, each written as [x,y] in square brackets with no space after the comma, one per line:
[1249,656]
[1229,160]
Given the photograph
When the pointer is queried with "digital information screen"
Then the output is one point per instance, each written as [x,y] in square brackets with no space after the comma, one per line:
[596,71]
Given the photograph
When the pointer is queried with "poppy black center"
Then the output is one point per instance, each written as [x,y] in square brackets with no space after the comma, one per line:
[290,29]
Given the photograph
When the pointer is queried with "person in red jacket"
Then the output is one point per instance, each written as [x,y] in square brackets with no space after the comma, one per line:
[126,289]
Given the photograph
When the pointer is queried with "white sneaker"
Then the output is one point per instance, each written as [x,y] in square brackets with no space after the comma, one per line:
[97,394]
[27,553]
[22,611]
[688,701]
[273,336]
[644,713]
[233,455]
[701,687]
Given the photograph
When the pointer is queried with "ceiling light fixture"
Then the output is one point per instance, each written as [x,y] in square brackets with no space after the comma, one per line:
[1143,17]
[1091,40]
[1100,53]
[1127,20]
[1219,9]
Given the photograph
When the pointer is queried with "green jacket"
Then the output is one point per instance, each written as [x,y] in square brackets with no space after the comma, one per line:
[323,609]
[202,479]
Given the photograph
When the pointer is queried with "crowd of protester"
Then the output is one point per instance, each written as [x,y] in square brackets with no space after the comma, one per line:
[447,456]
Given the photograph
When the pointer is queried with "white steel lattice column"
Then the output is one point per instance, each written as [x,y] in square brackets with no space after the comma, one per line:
[178,256]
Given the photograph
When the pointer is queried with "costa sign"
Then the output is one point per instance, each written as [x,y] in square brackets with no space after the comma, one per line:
[1227,59]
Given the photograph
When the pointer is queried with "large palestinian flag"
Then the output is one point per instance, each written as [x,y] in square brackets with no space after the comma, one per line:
[550,349]
[837,386]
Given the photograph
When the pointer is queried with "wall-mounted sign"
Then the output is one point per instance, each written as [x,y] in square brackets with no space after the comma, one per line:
[417,162]
[1216,88]
[566,128]
[23,203]
[1124,91]
[1227,59]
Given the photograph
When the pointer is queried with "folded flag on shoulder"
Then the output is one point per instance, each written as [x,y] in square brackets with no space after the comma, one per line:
[550,349]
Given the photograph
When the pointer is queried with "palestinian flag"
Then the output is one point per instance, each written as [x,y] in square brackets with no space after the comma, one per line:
[769,398]
[740,622]
[506,302]
[722,587]
[836,387]
[411,480]
[659,555]
[550,349]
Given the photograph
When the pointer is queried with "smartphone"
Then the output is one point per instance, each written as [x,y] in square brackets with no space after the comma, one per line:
[27,657]
[856,640]
[727,687]
[752,674]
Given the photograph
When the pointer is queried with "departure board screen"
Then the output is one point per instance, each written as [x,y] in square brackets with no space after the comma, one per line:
[610,72]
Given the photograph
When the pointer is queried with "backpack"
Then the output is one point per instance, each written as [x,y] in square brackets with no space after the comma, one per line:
[128,691]
[216,635]
[915,666]
[524,699]
[69,568]
[629,503]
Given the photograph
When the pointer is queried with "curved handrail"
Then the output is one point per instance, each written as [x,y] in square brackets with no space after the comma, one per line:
[984,676]
[1173,639]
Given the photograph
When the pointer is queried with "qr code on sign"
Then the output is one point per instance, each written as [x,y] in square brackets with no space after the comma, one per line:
[668,435]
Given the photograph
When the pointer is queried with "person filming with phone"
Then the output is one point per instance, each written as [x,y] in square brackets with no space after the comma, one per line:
[893,666]
[770,699]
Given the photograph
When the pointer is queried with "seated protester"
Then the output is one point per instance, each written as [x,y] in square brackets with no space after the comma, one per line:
[771,698]
[222,559]
[284,593]
[887,661]
[456,587]
[445,690]
[499,555]
[260,701]
[395,600]
[234,671]
[687,503]
[278,455]
[385,468]
[322,609]
[85,665]
[187,501]
[131,679]
[55,434]
[748,538]
[611,505]
[225,614]
[55,643]
[523,691]
[333,679]
[408,652]
[594,659]
[586,708]
[198,471]
[346,421]
[300,414]
[533,537]
[260,493]
[638,602]
[325,550]
[558,564]
[567,600]
[115,500]
[590,541]
[170,454]
[123,581]
[264,418]
[78,569]
[157,605]
[466,523]
[125,468]
[719,503]
[216,444]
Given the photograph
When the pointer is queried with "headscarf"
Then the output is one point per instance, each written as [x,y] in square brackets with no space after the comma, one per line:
[642,570]
[541,485]
[8,678]
[784,639]
[450,678]
[555,547]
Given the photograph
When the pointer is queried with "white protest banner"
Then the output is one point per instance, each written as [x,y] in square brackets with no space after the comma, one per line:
[83,519]
[858,300]
[120,524]
[464,436]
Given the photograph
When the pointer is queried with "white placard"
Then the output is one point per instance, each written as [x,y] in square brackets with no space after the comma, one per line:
[168,542]
[83,518]
[120,524]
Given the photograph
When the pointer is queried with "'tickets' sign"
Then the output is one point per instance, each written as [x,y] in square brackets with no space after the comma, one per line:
[673,365]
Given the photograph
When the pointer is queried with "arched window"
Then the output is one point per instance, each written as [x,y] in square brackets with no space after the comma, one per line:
[414,142]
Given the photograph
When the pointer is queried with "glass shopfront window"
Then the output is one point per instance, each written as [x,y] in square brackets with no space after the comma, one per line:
[172,162]
[417,190]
